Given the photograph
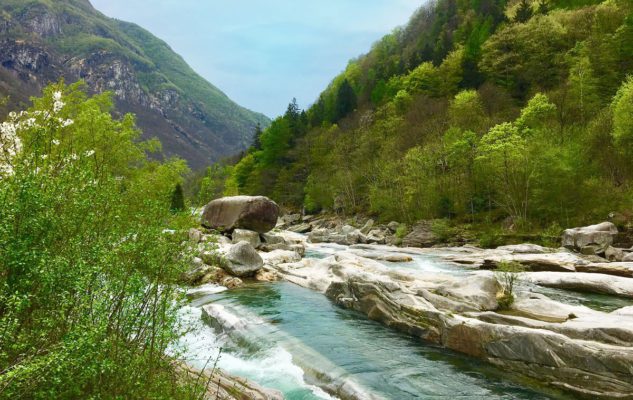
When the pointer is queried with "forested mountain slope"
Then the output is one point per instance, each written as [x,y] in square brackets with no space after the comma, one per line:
[478,110]
[43,40]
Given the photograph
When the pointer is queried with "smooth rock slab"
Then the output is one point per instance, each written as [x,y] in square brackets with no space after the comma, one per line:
[583,282]
[257,214]
[243,235]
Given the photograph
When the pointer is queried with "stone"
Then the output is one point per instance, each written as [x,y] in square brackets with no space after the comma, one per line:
[195,235]
[600,235]
[393,226]
[266,276]
[290,219]
[421,236]
[231,282]
[526,248]
[280,257]
[614,254]
[376,236]
[628,257]
[243,260]
[585,282]
[272,239]
[624,269]
[257,214]
[301,228]
[367,227]
[243,235]
[478,290]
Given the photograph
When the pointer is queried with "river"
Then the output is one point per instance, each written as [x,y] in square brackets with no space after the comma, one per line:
[295,340]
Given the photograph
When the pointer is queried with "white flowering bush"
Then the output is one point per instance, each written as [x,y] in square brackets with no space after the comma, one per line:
[88,290]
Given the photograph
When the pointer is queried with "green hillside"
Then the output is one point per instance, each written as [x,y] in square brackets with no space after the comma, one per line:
[479,111]
[78,41]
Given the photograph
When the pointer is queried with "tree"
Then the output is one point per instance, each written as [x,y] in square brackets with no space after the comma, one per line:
[345,101]
[177,199]
[524,12]
[257,142]
[622,108]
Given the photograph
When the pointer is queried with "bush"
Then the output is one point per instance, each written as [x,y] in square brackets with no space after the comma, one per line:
[88,294]
[507,274]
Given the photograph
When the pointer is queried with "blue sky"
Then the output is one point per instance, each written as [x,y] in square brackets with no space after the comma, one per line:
[262,53]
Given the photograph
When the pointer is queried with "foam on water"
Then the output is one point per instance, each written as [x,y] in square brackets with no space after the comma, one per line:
[273,368]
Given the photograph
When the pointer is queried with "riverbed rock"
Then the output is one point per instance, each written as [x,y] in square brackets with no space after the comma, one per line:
[280,257]
[628,257]
[221,385]
[255,213]
[269,238]
[301,228]
[596,238]
[367,227]
[614,254]
[243,235]
[624,269]
[525,248]
[421,235]
[583,282]
[393,226]
[243,260]
[584,351]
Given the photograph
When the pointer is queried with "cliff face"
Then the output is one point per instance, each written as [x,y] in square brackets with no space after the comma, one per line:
[43,41]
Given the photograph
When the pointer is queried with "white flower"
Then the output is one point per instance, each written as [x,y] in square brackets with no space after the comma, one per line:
[58,104]
[89,153]
[67,122]
[74,156]
[57,96]
[44,156]
[55,142]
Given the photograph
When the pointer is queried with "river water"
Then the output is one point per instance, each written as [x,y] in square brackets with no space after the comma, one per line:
[295,340]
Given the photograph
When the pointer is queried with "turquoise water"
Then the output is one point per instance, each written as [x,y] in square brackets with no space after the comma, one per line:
[283,327]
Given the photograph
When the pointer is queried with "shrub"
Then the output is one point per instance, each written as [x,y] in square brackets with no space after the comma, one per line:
[507,274]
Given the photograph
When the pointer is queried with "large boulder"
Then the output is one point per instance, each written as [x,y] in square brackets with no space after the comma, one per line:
[421,236]
[595,238]
[243,260]
[257,214]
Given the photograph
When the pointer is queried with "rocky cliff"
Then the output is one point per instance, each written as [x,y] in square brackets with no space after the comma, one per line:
[43,41]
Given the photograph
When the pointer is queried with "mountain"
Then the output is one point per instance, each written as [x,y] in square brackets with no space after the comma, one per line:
[45,40]
[505,113]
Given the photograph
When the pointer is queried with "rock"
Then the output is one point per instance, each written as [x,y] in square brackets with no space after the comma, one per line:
[272,239]
[266,276]
[231,282]
[376,236]
[257,214]
[393,226]
[525,248]
[290,219]
[624,269]
[195,235]
[196,274]
[613,254]
[301,228]
[583,282]
[383,256]
[243,260]
[298,248]
[600,237]
[478,290]
[628,257]
[243,235]
[367,227]
[592,250]
[281,257]
[221,385]
[421,236]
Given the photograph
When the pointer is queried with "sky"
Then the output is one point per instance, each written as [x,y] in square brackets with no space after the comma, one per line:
[262,53]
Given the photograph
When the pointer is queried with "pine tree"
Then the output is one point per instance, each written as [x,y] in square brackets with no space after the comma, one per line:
[524,12]
[543,7]
[178,199]
[345,101]
[257,143]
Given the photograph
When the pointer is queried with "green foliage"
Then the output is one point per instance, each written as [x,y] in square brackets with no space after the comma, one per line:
[88,279]
[507,273]
[466,116]
[178,199]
